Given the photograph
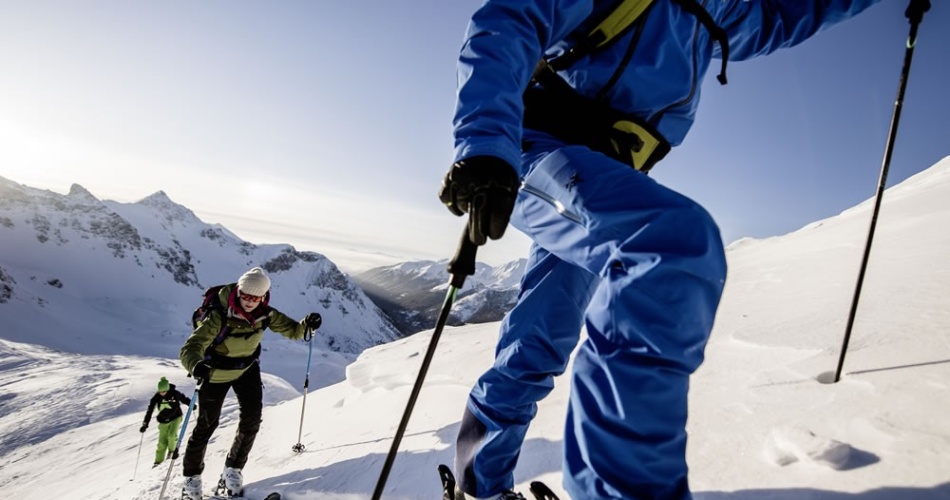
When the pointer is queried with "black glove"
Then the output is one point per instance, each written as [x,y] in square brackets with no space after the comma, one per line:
[201,371]
[313,321]
[484,187]
[144,426]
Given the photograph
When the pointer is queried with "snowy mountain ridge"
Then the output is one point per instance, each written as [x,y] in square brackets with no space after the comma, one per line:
[412,293]
[73,268]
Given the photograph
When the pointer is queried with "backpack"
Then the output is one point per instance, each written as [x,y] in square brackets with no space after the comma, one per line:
[209,303]
[554,107]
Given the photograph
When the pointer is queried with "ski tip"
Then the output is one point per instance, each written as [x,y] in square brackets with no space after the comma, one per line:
[541,491]
[445,472]
[448,482]
[272,496]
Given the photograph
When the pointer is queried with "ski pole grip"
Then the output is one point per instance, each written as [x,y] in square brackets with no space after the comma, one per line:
[463,263]
[916,9]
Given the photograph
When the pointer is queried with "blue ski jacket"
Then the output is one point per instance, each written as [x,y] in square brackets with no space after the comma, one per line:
[660,83]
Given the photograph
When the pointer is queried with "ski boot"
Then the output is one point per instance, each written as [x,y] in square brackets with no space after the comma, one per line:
[505,495]
[191,490]
[231,483]
[451,491]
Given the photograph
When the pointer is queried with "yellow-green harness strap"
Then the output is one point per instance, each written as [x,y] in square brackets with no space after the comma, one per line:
[617,22]
[623,17]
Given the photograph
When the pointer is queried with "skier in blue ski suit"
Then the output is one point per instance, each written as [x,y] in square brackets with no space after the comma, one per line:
[641,266]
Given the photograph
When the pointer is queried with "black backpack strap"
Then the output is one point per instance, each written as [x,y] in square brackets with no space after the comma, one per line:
[222,362]
[715,31]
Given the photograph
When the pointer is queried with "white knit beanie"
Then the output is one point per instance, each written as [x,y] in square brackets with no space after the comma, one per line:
[254,282]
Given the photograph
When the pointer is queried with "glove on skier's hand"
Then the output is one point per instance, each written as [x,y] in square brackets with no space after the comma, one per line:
[313,321]
[484,187]
[142,429]
[201,371]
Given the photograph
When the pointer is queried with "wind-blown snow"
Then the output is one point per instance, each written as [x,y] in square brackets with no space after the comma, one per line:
[762,424]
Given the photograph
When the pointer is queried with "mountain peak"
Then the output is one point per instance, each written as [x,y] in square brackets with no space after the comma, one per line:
[78,192]
[158,199]
[171,210]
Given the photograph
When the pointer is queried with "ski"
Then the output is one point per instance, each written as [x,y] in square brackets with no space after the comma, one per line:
[542,492]
[448,482]
[272,496]
[539,490]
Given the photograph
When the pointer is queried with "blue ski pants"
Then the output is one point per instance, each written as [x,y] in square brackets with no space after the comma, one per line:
[643,268]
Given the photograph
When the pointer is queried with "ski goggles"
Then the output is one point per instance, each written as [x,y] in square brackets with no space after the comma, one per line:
[250,298]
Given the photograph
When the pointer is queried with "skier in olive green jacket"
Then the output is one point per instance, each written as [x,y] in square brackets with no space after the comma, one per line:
[229,362]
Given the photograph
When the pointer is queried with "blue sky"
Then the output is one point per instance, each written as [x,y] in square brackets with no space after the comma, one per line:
[327,124]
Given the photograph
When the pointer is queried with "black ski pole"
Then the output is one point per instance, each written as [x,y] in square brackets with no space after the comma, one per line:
[299,447]
[181,435]
[461,266]
[915,13]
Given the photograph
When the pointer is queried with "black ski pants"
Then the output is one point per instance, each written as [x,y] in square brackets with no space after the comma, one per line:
[250,394]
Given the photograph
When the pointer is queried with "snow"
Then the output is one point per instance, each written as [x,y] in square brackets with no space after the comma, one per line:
[764,421]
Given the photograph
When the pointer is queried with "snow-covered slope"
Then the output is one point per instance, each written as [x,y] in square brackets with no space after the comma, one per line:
[762,425]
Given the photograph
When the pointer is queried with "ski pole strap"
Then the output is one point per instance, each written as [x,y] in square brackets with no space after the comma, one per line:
[552,106]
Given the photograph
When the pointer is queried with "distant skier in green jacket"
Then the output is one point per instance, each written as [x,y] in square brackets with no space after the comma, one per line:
[168,400]
[224,352]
